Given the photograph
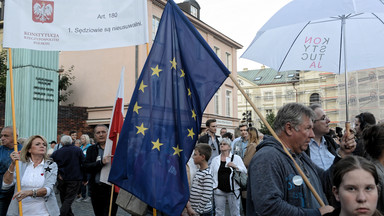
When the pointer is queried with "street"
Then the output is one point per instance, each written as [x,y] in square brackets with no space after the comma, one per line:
[85,208]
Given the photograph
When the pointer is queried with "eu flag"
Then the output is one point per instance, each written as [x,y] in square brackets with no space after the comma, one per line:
[179,78]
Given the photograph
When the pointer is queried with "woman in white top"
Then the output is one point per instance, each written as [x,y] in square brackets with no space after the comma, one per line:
[37,177]
[225,188]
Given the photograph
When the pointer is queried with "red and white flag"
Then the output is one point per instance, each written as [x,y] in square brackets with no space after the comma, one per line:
[115,126]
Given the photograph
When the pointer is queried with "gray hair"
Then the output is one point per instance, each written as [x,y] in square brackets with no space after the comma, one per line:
[66,140]
[101,125]
[227,141]
[293,113]
[315,106]
[11,127]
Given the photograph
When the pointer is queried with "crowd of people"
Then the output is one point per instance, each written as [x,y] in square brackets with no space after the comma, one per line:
[340,174]
[346,171]
[66,167]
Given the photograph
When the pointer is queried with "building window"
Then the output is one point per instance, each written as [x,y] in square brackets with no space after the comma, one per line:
[314,99]
[268,96]
[217,102]
[193,11]
[1,10]
[229,61]
[290,95]
[155,26]
[217,51]
[268,111]
[228,103]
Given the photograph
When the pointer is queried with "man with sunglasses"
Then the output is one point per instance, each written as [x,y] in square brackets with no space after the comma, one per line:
[322,148]
[211,138]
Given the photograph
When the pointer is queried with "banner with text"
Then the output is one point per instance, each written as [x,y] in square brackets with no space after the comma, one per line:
[73,25]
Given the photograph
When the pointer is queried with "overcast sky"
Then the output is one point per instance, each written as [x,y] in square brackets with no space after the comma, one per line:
[239,20]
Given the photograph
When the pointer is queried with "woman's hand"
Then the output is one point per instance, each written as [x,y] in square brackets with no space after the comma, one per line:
[22,194]
[233,165]
[15,156]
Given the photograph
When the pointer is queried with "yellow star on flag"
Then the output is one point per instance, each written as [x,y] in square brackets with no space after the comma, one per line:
[136,108]
[141,129]
[189,92]
[142,86]
[194,114]
[177,150]
[190,133]
[156,71]
[182,73]
[156,145]
[173,62]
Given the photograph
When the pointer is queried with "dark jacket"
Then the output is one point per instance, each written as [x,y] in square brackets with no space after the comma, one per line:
[332,146]
[271,189]
[91,164]
[205,139]
[70,160]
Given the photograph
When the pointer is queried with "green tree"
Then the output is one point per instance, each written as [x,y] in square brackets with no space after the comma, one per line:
[3,74]
[270,117]
[65,81]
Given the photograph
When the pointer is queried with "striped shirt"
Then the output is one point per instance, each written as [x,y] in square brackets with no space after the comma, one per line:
[201,191]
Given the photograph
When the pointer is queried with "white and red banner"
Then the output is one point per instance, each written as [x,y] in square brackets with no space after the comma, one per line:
[115,125]
[73,25]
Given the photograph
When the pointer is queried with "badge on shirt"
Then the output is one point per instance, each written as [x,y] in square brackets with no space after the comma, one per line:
[297,180]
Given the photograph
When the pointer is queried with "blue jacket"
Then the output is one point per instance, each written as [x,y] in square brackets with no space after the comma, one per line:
[271,190]
[5,161]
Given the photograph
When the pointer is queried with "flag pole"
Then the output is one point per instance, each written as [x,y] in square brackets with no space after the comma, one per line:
[278,139]
[147,45]
[113,185]
[14,126]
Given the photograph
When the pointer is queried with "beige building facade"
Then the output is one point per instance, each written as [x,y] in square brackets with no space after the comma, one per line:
[97,72]
[270,90]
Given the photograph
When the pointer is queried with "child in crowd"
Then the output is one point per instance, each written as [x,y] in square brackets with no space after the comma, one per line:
[202,184]
[355,186]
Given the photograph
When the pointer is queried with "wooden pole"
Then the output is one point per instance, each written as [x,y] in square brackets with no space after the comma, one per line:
[278,139]
[113,186]
[154,210]
[14,126]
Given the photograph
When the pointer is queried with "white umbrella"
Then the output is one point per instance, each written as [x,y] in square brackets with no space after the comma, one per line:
[322,35]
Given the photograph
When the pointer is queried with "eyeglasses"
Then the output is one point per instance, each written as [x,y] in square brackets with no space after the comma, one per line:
[324,117]
[223,144]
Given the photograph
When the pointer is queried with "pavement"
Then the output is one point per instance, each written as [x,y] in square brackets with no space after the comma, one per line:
[85,208]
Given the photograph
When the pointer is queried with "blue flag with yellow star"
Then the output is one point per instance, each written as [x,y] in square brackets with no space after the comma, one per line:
[178,80]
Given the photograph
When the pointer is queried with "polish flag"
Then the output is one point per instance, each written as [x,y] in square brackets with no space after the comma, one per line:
[115,126]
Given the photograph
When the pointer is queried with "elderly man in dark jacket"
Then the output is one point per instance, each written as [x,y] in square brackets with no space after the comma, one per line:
[69,159]
[94,161]
[274,185]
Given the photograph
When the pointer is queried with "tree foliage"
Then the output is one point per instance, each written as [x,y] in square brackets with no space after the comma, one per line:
[270,117]
[66,79]
[3,75]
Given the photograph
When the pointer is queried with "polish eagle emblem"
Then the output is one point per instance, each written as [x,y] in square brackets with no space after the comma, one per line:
[42,11]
